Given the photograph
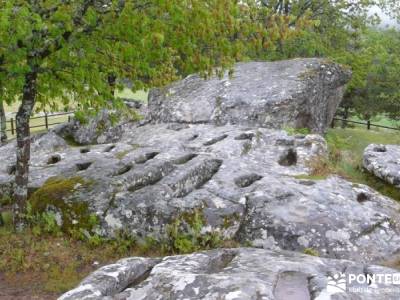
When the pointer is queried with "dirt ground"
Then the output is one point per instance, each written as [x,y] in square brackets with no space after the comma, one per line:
[22,288]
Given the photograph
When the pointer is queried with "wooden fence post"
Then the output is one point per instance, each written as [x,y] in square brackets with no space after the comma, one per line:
[369,125]
[12,126]
[46,121]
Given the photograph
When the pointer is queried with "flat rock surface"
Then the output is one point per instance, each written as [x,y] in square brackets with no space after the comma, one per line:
[300,93]
[231,274]
[248,184]
[384,162]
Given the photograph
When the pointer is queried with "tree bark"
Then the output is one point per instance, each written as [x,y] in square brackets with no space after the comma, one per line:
[345,117]
[112,82]
[3,127]
[23,149]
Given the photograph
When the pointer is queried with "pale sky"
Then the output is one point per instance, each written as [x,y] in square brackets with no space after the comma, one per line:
[386,21]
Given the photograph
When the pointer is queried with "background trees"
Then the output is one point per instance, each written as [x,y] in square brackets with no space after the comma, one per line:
[378,68]
[345,32]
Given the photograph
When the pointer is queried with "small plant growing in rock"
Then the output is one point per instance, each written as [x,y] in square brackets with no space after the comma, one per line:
[246,148]
[311,251]
[294,131]
[5,200]
[186,234]
[258,136]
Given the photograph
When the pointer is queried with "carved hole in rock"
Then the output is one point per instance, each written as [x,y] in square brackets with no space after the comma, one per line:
[177,126]
[247,180]
[140,278]
[196,177]
[184,159]
[220,262]
[307,182]
[362,197]
[289,158]
[144,158]
[125,169]
[380,148]
[150,176]
[300,136]
[11,169]
[195,136]
[215,140]
[137,186]
[54,159]
[292,285]
[245,136]
[151,155]
[109,148]
[83,166]
[85,150]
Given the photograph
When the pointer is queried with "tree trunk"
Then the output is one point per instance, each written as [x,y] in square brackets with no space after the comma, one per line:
[112,82]
[345,117]
[23,149]
[3,127]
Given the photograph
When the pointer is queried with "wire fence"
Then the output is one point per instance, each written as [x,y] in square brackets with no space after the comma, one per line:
[44,122]
[368,124]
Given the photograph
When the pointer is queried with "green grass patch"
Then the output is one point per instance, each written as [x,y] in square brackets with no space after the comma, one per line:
[128,94]
[378,120]
[310,177]
[346,147]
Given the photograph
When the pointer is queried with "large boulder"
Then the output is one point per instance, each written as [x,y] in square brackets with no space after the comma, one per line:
[299,93]
[105,127]
[237,274]
[384,162]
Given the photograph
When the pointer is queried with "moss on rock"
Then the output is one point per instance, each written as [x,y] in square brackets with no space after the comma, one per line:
[56,195]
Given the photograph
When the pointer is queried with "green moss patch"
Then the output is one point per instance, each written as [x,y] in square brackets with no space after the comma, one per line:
[55,195]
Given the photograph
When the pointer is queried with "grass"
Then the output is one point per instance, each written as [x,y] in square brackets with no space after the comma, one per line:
[346,148]
[44,261]
[38,264]
[53,264]
[379,120]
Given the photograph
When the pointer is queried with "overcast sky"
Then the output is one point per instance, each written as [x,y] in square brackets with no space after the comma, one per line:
[386,20]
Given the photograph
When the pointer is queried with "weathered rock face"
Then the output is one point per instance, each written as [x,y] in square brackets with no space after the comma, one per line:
[41,144]
[384,162]
[232,274]
[243,181]
[247,182]
[300,93]
[105,127]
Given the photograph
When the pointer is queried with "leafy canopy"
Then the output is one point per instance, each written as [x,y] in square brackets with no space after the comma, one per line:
[74,46]
[342,30]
